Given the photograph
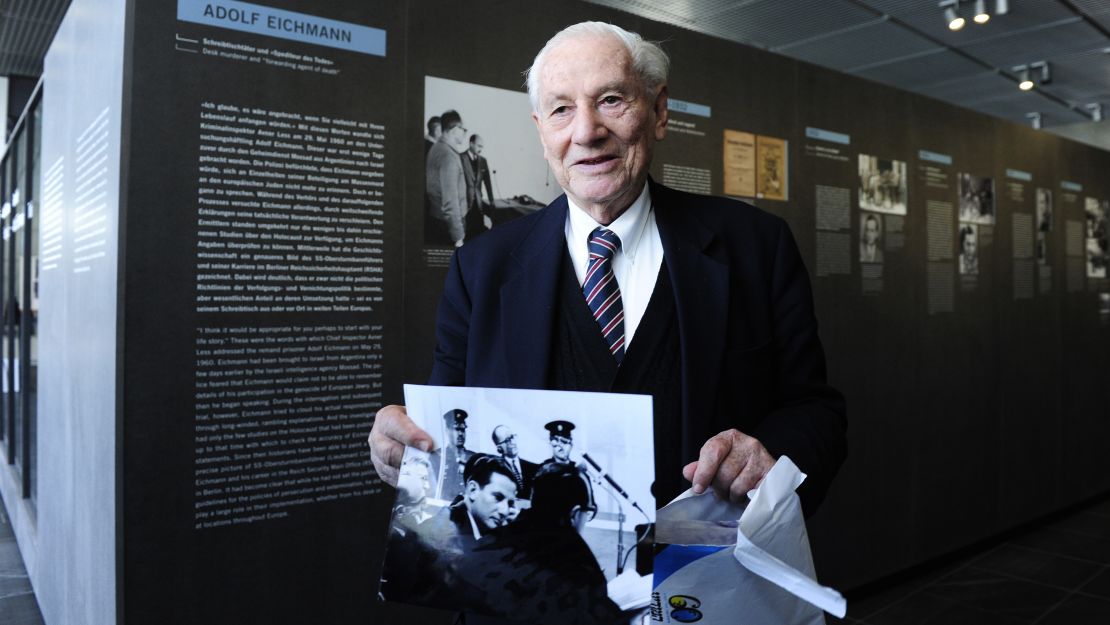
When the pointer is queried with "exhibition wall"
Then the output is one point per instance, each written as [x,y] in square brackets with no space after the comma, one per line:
[263,277]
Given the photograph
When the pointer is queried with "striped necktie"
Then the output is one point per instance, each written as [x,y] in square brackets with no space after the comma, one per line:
[603,295]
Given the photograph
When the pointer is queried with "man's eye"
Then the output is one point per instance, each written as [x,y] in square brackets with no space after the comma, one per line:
[561,110]
[611,100]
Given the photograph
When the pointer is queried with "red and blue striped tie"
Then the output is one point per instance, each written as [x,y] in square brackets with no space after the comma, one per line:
[603,295]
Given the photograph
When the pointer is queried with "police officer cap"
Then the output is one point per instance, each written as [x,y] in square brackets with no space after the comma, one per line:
[459,415]
[560,428]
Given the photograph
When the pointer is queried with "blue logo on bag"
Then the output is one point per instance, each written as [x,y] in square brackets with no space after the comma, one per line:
[685,608]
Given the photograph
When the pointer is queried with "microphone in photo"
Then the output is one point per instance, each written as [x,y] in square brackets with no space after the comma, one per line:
[612,482]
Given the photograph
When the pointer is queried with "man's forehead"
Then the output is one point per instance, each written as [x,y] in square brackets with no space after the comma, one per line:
[596,63]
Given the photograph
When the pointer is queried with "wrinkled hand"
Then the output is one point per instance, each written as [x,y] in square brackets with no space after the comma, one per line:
[732,463]
[393,431]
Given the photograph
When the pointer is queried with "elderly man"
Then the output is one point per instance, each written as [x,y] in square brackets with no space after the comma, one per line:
[625,285]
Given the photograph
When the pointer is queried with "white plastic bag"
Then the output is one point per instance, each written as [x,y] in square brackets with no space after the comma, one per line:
[740,565]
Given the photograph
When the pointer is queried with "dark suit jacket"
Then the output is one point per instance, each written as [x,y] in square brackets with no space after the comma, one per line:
[751,358]
[477,176]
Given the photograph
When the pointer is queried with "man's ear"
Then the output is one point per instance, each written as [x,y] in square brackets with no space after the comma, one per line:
[660,107]
[472,488]
[539,131]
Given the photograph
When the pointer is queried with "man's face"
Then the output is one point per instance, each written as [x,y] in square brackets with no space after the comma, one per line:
[596,124]
[507,446]
[560,448]
[477,145]
[413,481]
[490,505]
[460,434]
[456,138]
[436,131]
[870,231]
[970,245]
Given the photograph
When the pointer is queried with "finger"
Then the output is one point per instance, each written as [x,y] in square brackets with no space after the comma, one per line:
[688,471]
[759,463]
[392,424]
[712,452]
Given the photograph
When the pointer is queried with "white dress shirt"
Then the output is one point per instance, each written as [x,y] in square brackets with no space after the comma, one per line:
[635,265]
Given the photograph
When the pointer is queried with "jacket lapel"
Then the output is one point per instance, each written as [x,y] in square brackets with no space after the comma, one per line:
[529,298]
[701,302]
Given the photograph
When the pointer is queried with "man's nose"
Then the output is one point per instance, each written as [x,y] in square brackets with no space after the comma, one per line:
[589,127]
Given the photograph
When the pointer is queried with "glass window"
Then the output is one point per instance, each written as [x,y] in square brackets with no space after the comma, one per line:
[17,155]
[33,301]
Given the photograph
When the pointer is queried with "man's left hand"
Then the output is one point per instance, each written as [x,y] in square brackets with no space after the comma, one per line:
[732,463]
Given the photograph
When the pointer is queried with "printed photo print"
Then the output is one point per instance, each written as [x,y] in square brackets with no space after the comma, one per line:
[529,505]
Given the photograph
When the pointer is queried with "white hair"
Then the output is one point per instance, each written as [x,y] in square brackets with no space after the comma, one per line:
[648,60]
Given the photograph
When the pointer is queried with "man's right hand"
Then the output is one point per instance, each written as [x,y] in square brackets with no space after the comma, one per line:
[393,431]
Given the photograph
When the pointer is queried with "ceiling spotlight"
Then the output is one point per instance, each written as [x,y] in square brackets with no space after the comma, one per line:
[1034,120]
[1001,7]
[1096,111]
[1046,73]
[981,15]
[955,22]
[1026,76]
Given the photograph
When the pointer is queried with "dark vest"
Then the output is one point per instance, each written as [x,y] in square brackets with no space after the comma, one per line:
[651,366]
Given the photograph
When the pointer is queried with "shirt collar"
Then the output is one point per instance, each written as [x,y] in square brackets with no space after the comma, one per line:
[628,227]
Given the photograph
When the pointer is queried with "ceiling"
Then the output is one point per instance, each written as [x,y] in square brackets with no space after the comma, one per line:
[907,44]
[26,29]
[903,43]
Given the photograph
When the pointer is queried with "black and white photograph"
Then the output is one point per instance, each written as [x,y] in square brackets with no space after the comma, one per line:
[1097,242]
[882,185]
[1045,221]
[976,200]
[870,238]
[483,161]
[526,507]
[969,249]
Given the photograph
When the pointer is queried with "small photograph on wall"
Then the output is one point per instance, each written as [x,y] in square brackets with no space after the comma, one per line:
[969,249]
[1097,242]
[526,507]
[882,185]
[1045,222]
[483,162]
[771,168]
[976,199]
[870,238]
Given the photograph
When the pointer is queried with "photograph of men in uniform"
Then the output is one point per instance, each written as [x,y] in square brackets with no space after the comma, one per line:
[559,433]
[707,306]
[455,456]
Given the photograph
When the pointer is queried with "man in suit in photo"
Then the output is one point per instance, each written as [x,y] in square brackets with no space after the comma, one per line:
[504,439]
[624,285]
[445,185]
[477,178]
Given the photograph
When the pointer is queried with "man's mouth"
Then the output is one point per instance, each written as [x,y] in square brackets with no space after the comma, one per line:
[597,160]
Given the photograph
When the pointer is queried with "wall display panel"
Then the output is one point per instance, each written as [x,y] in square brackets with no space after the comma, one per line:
[854,149]
[1029,326]
[956,357]
[1085,403]
[263,306]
